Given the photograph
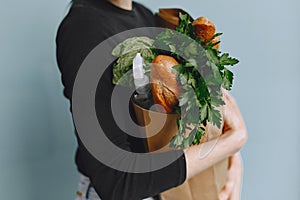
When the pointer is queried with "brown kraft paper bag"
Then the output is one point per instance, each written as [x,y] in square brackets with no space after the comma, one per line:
[203,186]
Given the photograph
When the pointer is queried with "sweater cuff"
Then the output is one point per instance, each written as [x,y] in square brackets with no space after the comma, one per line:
[182,167]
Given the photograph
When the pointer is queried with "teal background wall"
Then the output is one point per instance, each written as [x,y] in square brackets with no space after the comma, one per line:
[37,143]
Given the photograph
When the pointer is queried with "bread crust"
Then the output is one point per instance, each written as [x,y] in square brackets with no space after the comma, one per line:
[164,85]
[205,30]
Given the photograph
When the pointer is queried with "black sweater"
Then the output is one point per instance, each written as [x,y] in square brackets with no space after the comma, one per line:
[87,24]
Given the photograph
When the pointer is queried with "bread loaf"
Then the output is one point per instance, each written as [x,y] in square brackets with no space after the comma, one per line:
[165,88]
[164,85]
[205,30]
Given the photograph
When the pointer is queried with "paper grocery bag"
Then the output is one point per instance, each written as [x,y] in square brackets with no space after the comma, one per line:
[205,185]
[168,17]
[160,130]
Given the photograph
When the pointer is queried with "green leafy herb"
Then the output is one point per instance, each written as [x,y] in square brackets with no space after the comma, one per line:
[185,25]
[202,73]
[204,70]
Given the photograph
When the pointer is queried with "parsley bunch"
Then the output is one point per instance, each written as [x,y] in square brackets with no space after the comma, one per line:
[202,73]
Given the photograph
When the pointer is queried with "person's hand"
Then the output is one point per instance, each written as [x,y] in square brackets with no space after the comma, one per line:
[233,124]
[233,120]
[232,188]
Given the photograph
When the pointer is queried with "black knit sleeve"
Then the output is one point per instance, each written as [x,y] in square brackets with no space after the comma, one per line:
[75,39]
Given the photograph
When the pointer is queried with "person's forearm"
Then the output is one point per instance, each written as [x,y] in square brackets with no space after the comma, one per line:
[218,149]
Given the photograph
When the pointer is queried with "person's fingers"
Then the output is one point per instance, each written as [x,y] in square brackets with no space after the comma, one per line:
[228,187]
[236,192]
[235,195]
[233,120]
[232,116]
[227,190]
[228,111]
[232,186]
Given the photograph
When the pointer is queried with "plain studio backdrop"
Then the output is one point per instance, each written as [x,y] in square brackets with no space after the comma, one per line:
[37,143]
